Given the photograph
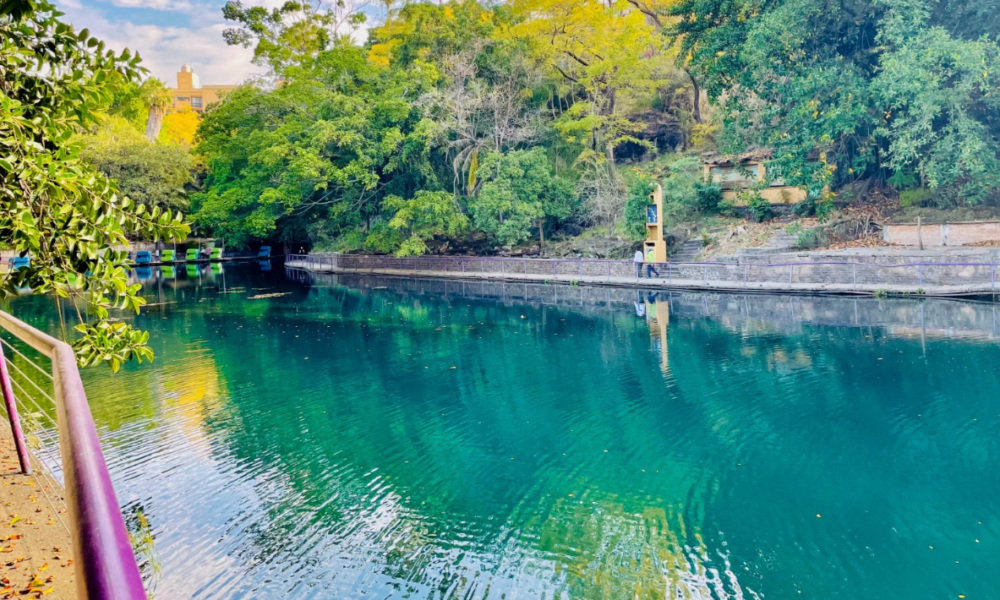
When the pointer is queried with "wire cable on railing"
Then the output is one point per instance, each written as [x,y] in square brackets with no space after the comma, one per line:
[42,470]
[30,380]
[41,370]
[38,431]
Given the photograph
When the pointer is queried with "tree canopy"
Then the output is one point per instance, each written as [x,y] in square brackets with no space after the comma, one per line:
[63,213]
[864,88]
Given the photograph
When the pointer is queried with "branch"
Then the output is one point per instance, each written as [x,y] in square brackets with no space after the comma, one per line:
[649,12]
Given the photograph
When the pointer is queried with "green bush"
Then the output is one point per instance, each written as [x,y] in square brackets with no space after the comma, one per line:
[806,239]
[824,208]
[917,197]
[806,208]
[760,209]
[708,197]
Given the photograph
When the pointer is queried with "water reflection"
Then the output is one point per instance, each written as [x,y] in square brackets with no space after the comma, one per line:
[377,437]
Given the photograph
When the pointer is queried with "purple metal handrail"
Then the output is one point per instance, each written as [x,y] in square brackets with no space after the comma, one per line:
[106,564]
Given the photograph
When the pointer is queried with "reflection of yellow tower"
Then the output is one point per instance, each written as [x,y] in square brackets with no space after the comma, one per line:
[655,247]
[658,325]
[194,391]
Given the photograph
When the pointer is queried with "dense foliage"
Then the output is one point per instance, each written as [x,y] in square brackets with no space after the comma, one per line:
[899,89]
[62,212]
[149,173]
[461,99]
[538,116]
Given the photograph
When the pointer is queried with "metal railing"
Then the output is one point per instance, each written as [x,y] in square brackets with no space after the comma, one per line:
[980,277]
[50,406]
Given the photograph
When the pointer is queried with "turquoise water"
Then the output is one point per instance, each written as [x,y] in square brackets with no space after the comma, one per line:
[379,438]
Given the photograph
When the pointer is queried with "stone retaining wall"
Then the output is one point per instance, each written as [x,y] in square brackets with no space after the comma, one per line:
[945,234]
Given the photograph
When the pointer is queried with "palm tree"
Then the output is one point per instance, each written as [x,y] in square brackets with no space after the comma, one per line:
[156,96]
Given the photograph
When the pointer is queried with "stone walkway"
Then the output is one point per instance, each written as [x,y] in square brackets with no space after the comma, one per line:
[35,547]
[675,283]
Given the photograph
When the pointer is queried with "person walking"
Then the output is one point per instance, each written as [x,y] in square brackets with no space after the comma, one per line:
[638,260]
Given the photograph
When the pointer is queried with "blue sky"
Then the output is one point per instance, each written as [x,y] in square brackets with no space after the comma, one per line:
[169,33]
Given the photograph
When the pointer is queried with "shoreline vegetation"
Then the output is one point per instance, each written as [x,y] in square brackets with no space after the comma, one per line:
[470,127]
[528,127]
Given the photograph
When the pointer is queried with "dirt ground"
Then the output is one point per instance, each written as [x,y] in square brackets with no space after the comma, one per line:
[35,548]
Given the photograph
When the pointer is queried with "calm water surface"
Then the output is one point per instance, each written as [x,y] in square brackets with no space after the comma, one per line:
[369,439]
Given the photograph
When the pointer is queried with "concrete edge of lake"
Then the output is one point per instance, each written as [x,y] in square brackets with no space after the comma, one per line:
[985,287]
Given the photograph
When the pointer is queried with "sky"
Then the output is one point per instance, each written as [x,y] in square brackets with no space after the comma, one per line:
[170,33]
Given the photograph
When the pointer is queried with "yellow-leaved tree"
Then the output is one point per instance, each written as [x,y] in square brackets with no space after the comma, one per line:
[611,58]
[179,127]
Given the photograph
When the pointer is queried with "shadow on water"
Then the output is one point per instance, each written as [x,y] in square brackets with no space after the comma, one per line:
[307,436]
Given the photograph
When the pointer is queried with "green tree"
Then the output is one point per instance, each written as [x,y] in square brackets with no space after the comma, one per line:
[291,34]
[59,210]
[939,94]
[324,150]
[519,192]
[426,216]
[155,96]
[847,90]
[152,174]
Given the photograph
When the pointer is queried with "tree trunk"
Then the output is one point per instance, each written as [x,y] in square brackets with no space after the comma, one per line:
[154,121]
[696,105]
[541,234]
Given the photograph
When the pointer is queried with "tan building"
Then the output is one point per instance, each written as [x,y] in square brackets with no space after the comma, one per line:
[737,174]
[190,92]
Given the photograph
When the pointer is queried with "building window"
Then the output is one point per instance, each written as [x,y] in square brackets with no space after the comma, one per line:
[182,99]
[735,175]
[195,101]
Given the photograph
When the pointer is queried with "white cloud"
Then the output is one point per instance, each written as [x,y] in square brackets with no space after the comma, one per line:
[165,48]
[168,5]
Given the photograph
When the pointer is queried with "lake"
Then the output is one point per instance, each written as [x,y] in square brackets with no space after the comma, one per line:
[352,437]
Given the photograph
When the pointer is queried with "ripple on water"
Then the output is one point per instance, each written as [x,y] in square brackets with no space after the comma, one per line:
[349,442]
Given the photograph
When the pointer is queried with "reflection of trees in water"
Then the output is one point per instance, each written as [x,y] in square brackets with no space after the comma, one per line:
[448,510]
[459,482]
[140,534]
[618,553]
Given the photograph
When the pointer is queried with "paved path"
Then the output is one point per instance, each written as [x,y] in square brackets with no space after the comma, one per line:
[682,284]
[35,548]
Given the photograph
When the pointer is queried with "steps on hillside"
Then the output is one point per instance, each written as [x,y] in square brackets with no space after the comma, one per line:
[689,251]
[779,242]
[781,239]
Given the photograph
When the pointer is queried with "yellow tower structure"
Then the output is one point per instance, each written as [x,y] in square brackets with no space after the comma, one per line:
[654,249]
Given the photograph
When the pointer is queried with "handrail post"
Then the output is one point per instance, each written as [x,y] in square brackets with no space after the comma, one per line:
[15,419]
